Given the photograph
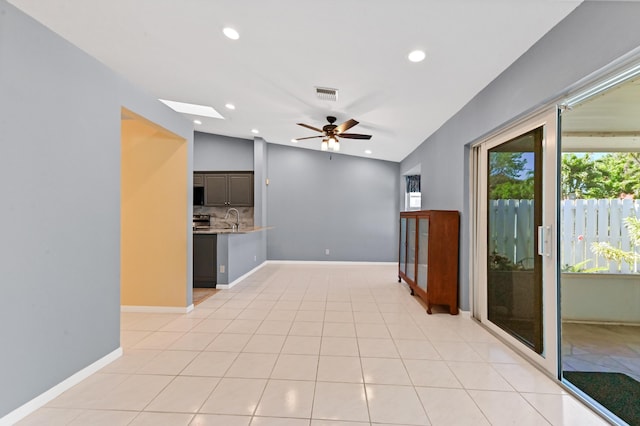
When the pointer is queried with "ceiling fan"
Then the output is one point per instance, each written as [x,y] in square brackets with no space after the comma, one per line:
[331,133]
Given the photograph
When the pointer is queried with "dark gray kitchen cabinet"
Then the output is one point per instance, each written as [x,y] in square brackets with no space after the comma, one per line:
[240,189]
[205,260]
[198,180]
[228,189]
[215,190]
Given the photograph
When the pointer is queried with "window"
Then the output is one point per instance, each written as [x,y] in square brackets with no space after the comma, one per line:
[413,196]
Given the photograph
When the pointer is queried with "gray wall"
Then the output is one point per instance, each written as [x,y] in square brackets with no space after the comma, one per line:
[60,210]
[243,254]
[223,153]
[591,37]
[319,201]
[260,193]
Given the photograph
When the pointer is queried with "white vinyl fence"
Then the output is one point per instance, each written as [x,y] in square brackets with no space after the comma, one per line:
[512,230]
[582,223]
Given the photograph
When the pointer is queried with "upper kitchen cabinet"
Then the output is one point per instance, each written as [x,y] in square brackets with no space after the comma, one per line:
[216,190]
[228,189]
[240,189]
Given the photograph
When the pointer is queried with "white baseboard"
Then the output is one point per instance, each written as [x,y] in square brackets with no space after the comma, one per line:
[296,262]
[237,280]
[42,399]
[157,309]
[326,262]
[587,322]
[465,314]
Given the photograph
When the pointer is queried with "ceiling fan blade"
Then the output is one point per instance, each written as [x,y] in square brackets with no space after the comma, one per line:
[353,136]
[310,127]
[346,126]
[310,137]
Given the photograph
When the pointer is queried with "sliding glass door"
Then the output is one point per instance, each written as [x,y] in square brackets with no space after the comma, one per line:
[547,222]
[514,270]
[515,214]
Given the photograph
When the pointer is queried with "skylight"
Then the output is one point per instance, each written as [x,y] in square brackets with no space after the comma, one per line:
[193,109]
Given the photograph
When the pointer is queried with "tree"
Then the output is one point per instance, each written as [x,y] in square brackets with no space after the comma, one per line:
[513,190]
[509,177]
[620,175]
[610,176]
[580,176]
[507,164]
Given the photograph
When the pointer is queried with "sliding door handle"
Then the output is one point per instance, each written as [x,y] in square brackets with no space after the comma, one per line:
[544,240]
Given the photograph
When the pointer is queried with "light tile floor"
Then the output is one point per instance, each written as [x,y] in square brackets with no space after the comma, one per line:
[313,345]
[598,347]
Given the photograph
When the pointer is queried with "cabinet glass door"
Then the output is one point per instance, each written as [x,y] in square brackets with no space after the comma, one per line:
[411,248]
[402,260]
[423,253]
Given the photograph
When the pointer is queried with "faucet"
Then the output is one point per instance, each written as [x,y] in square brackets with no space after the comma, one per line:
[236,225]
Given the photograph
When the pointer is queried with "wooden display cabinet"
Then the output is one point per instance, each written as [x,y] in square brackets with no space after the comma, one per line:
[428,256]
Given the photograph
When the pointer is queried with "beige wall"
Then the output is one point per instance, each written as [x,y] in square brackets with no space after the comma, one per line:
[153,215]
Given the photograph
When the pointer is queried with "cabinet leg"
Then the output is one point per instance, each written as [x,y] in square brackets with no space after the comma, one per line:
[399,279]
[412,292]
[429,309]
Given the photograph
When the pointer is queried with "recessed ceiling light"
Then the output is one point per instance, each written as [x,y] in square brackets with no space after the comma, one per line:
[197,122]
[255,131]
[294,140]
[231,33]
[417,56]
[367,151]
[193,109]
[230,106]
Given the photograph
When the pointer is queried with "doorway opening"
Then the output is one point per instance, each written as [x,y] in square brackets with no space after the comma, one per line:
[153,216]
[600,248]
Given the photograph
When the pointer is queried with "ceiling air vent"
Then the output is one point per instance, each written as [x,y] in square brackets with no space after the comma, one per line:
[327,94]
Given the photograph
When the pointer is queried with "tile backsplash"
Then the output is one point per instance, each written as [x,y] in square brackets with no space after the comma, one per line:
[217,216]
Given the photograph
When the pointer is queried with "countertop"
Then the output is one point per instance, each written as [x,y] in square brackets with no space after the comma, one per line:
[242,230]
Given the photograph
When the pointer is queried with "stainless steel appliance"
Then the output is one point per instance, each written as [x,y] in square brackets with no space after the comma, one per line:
[201,221]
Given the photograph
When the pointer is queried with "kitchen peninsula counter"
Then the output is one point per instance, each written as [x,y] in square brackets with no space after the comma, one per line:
[237,253]
[242,230]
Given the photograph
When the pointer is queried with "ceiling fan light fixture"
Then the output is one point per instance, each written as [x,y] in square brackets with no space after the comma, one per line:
[332,142]
[331,134]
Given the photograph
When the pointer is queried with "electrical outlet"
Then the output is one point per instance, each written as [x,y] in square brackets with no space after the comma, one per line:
[326,251]
[222,269]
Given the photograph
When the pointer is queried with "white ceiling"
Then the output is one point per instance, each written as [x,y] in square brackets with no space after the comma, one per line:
[175,49]
[607,122]
[612,112]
